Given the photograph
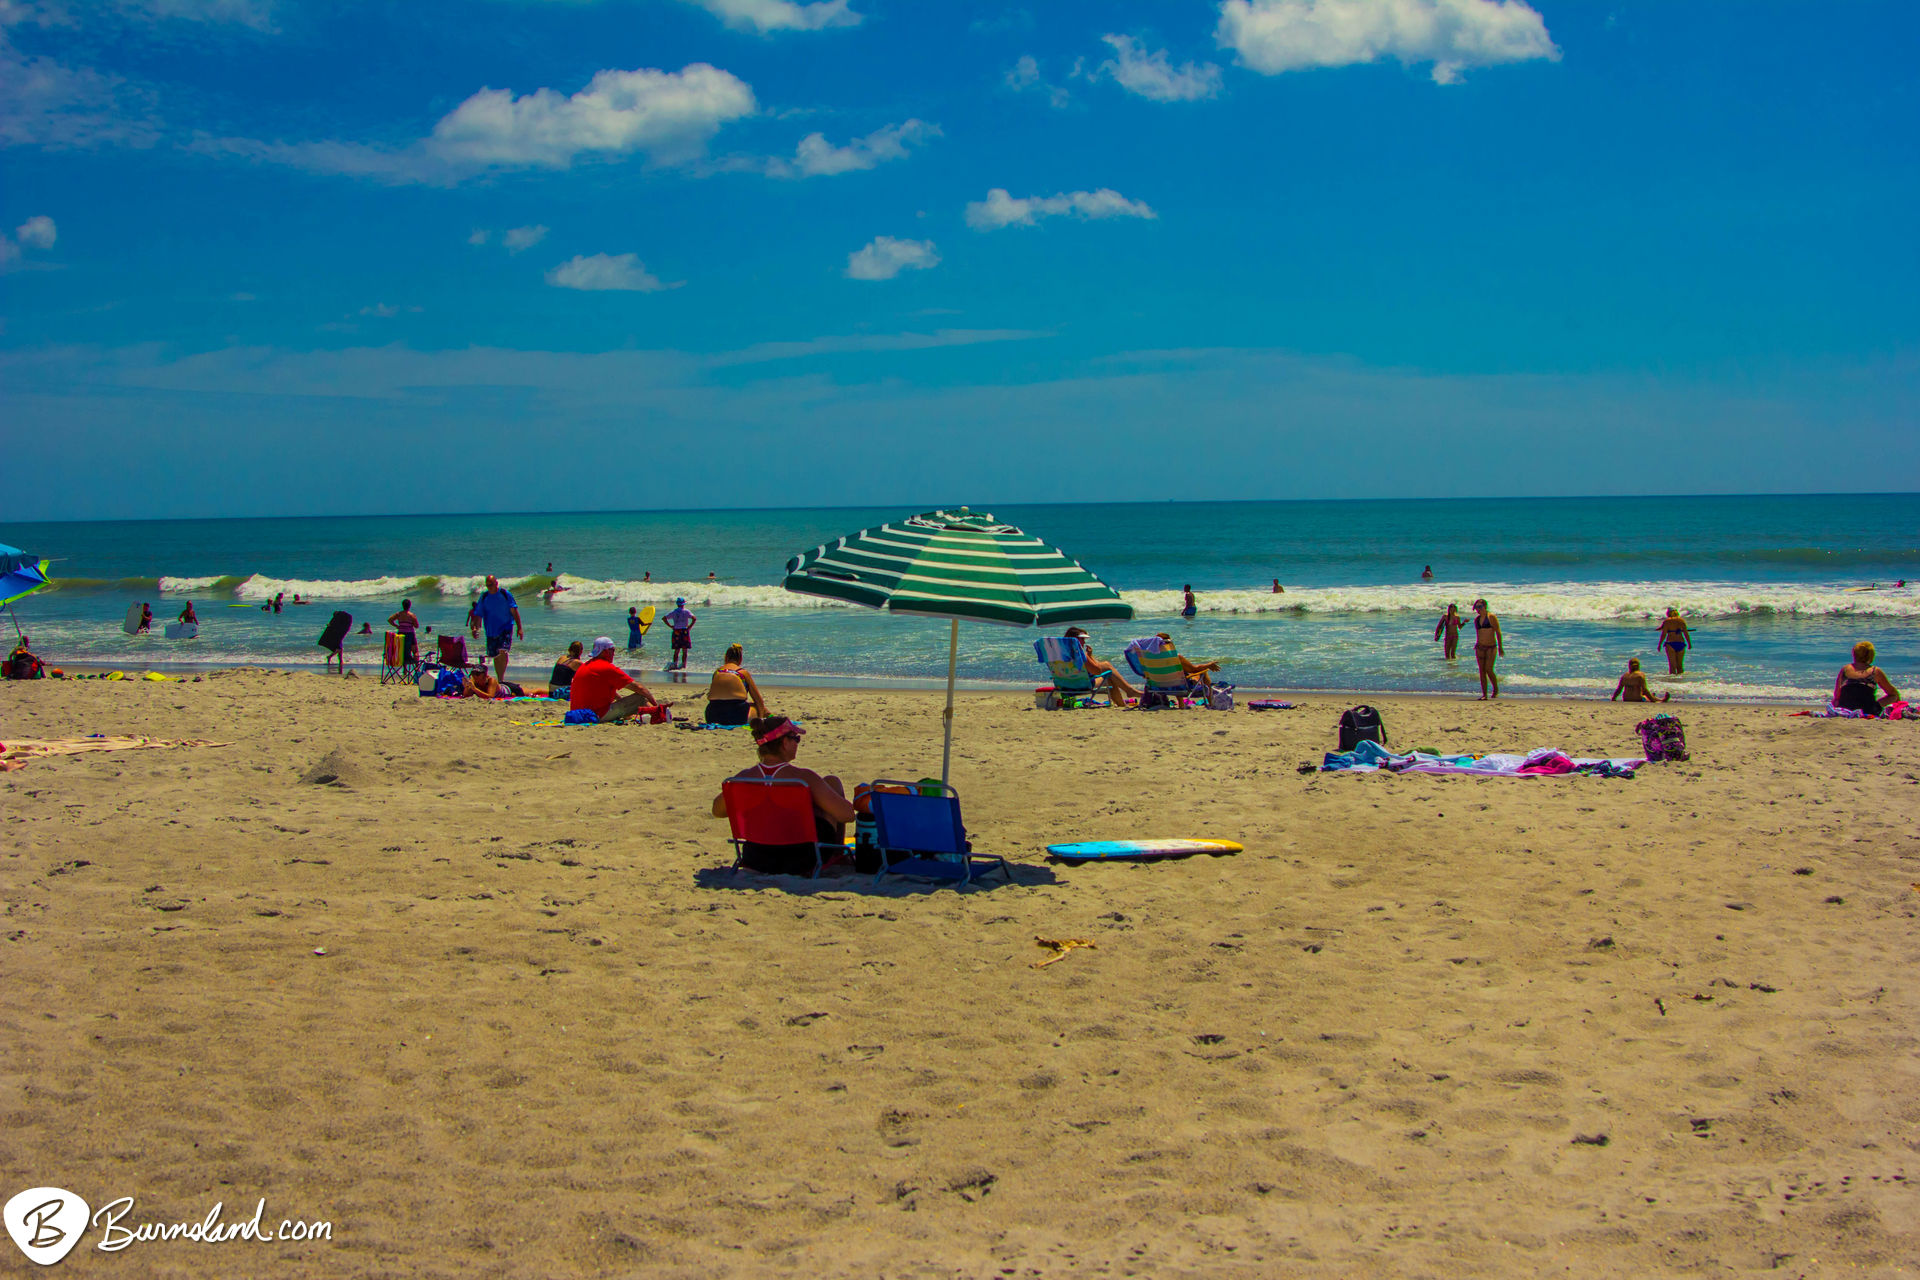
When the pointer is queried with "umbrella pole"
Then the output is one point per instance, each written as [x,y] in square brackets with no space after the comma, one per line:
[953,656]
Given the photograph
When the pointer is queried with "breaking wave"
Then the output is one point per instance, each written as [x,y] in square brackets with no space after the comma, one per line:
[1557,601]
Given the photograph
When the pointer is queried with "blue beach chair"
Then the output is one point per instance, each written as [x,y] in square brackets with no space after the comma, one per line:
[921,834]
[1065,659]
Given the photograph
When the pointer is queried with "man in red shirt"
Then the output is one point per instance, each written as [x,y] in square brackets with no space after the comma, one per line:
[604,689]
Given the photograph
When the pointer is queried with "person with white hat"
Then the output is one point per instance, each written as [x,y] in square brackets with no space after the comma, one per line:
[603,688]
[680,622]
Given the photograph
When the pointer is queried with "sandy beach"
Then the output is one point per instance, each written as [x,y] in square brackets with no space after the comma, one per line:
[483,995]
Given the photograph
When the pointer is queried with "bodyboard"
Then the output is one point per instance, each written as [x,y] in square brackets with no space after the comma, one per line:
[1116,850]
[646,618]
[132,625]
[182,630]
[337,628]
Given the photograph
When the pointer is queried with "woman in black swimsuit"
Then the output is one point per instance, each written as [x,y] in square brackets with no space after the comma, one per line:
[1854,688]
[1487,644]
[732,696]
[561,681]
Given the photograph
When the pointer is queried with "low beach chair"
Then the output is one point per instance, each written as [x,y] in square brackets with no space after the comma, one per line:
[921,834]
[772,811]
[1065,659]
[1162,677]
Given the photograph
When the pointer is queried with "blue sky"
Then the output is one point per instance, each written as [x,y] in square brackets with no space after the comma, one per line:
[293,257]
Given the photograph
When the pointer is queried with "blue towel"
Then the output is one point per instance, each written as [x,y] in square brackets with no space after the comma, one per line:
[583,715]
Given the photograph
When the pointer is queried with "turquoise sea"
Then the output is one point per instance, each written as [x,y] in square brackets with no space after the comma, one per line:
[1776,588]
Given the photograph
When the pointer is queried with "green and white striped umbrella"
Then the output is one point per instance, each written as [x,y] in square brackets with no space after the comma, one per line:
[956,564]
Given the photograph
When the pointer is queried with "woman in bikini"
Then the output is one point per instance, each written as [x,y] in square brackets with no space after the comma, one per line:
[561,681]
[1487,645]
[1854,689]
[1675,639]
[732,696]
[777,740]
[1632,686]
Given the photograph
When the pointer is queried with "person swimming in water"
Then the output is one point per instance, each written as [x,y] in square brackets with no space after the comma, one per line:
[1426,574]
[1278,590]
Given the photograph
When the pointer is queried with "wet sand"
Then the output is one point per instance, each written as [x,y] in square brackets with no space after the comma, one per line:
[1421,1026]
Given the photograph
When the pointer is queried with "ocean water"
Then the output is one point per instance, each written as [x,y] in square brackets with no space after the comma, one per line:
[1776,588]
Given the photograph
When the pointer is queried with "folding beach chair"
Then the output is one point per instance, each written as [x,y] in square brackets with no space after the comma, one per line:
[453,654]
[772,811]
[1164,681]
[1065,659]
[399,661]
[921,834]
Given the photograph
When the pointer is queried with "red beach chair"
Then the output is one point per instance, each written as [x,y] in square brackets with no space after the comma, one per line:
[771,811]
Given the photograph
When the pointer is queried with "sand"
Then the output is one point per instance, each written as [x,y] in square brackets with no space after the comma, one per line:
[1421,1026]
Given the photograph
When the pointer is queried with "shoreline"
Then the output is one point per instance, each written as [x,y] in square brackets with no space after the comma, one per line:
[893,684]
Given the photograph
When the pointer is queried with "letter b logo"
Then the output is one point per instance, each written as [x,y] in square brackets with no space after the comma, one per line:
[46,1223]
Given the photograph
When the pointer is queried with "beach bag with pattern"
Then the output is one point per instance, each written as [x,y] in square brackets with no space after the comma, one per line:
[1662,738]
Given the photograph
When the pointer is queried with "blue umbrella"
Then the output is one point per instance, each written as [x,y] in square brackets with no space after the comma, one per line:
[20,573]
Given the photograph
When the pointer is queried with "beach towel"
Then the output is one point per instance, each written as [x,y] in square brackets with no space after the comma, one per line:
[582,715]
[1066,661]
[1269,704]
[1371,757]
[15,752]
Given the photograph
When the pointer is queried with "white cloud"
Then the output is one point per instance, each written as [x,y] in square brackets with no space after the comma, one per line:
[1153,75]
[384,311]
[1024,75]
[606,271]
[1002,210]
[37,232]
[1273,36]
[885,257]
[478,236]
[764,16]
[257,14]
[518,238]
[670,115]
[816,157]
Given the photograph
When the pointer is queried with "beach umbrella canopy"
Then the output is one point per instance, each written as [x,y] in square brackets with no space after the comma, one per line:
[19,573]
[962,565]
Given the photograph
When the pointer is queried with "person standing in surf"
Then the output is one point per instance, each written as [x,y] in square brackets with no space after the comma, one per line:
[1488,644]
[498,613]
[680,622]
[1188,609]
[407,623]
[636,634]
[146,619]
[1675,639]
[1448,629]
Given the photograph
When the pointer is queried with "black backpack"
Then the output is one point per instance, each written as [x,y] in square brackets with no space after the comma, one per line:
[1361,724]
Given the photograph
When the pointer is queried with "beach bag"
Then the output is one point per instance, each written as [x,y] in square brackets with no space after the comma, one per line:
[1221,699]
[1662,738]
[582,715]
[449,684]
[1361,724]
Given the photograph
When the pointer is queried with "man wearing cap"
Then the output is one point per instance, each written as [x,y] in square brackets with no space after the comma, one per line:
[680,622]
[603,688]
[499,613]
